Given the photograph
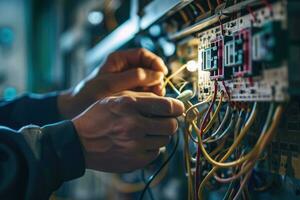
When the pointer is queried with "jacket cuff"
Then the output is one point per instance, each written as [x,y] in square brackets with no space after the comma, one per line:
[67,147]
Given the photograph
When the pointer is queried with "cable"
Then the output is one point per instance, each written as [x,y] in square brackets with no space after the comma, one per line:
[187,120]
[160,169]
[264,130]
[200,132]
[136,187]
[200,7]
[229,152]
[226,131]
[144,180]
[237,142]
[209,5]
[167,80]
[187,165]
[264,139]
[222,124]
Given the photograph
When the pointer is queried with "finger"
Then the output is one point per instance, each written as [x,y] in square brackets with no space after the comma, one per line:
[123,60]
[159,106]
[156,89]
[134,78]
[151,61]
[134,93]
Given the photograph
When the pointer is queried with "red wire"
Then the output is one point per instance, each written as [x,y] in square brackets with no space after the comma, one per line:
[221,24]
[251,13]
[266,2]
[202,126]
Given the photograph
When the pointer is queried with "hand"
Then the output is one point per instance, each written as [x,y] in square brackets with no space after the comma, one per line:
[124,133]
[136,69]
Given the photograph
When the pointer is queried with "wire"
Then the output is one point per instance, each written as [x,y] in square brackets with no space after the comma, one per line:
[229,152]
[187,164]
[184,16]
[144,180]
[136,187]
[187,118]
[270,7]
[222,124]
[226,131]
[247,176]
[199,133]
[209,5]
[150,180]
[237,142]
[167,80]
[200,7]
[214,116]
[264,139]
[249,9]
[226,196]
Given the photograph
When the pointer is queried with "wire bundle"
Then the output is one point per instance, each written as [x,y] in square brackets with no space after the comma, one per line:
[235,125]
[219,140]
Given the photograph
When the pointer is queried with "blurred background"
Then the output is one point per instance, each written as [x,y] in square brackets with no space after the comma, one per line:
[52,44]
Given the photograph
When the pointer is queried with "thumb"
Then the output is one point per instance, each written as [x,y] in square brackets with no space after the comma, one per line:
[133,78]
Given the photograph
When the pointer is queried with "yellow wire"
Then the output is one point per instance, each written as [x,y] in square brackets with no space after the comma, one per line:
[125,187]
[214,117]
[188,166]
[184,16]
[172,76]
[256,151]
[237,142]
[200,7]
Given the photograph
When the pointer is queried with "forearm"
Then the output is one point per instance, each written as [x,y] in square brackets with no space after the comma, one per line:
[30,109]
[38,160]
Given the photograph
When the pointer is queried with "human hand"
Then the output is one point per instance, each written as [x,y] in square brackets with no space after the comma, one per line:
[124,133]
[136,69]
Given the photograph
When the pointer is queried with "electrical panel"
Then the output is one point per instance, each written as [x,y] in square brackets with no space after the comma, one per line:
[246,54]
[235,66]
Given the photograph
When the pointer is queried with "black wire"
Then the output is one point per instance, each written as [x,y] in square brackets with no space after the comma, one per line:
[159,170]
[150,193]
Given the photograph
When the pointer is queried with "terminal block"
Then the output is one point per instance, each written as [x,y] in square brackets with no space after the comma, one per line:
[237,53]
[212,58]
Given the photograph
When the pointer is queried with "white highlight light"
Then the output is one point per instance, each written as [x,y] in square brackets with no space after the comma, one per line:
[192,66]
[95,17]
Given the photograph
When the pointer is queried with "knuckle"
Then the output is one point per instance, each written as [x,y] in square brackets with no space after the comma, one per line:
[120,103]
[140,74]
[142,51]
[159,60]
[127,100]
[112,55]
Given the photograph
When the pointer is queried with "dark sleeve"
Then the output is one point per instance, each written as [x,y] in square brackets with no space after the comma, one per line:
[36,161]
[29,109]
